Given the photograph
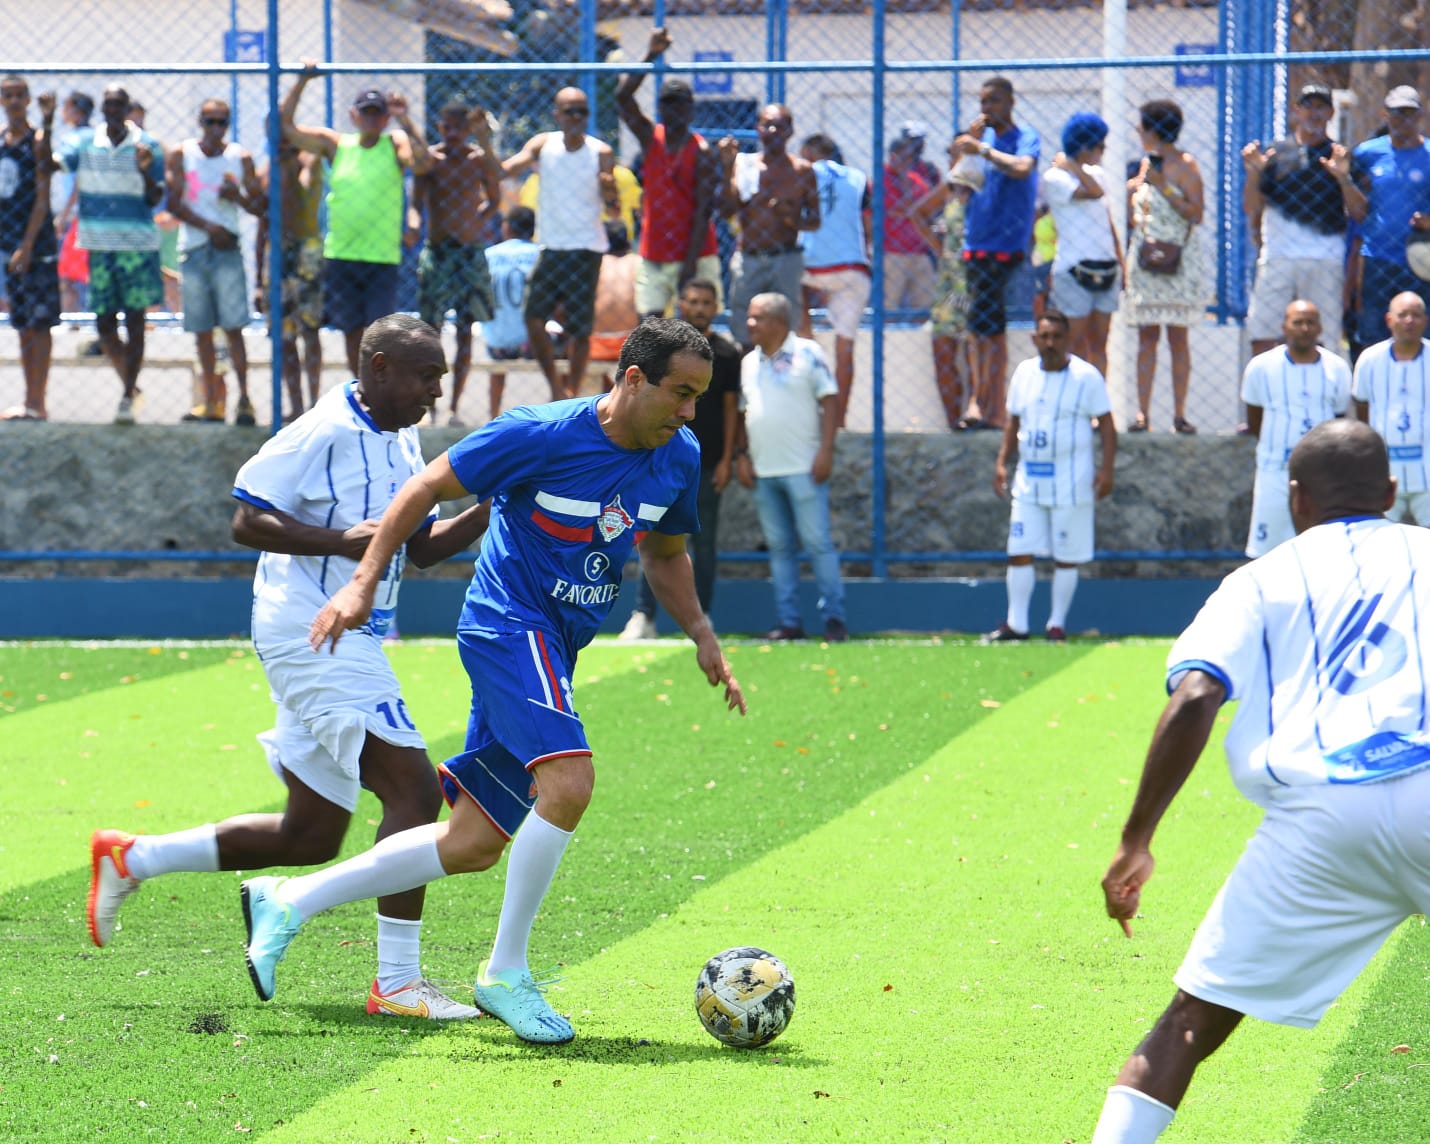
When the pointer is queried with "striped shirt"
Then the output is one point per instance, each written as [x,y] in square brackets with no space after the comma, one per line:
[1294,399]
[113,212]
[1319,644]
[1055,411]
[1398,393]
[334,468]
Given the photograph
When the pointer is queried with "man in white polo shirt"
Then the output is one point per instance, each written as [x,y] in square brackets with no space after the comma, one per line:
[1391,389]
[1288,391]
[1052,401]
[789,406]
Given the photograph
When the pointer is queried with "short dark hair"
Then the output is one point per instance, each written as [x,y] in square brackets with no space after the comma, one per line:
[1342,464]
[388,333]
[12,79]
[821,144]
[452,109]
[1056,316]
[701,284]
[1001,82]
[83,103]
[618,238]
[522,221]
[655,341]
[1163,118]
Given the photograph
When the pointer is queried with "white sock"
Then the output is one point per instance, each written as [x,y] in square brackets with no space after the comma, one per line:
[194,850]
[1021,578]
[535,853]
[400,862]
[1131,1117]
[1064,585]
[399,952]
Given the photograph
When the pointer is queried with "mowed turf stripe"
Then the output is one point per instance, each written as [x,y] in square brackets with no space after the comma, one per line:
[956,977]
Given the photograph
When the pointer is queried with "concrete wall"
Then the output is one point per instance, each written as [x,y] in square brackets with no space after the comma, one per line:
[71,487]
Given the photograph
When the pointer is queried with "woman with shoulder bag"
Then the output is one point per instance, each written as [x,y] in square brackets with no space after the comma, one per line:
[1164,275]
[1087,270]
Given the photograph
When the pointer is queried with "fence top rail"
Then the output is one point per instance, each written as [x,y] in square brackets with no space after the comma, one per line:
[1214,59]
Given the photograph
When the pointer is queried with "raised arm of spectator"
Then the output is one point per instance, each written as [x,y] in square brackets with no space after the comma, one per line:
[252,197]
[922,211]
[1341,164]
[408,143]
[1087,186]
[527,157]
[319,140]
[481,128]
[630,111]
[729,149]
[1184,193]
[1253,201]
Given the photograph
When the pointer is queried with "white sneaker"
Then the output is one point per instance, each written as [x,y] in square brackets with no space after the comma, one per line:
[639,627]
[455,422]
[124,415]
[420,999]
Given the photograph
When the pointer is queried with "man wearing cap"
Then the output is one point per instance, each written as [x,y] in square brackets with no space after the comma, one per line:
[1297,196]
[996,235]
[1397,166]
[365,211]
[681,175]
[908,270]
[916,133]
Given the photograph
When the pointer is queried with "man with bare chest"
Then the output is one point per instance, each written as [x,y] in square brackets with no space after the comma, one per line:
[775,196]
[459,194]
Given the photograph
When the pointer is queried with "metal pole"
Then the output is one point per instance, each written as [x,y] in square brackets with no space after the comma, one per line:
[877,474]
[327,58]
[274,223]
[587,50]
[233,79]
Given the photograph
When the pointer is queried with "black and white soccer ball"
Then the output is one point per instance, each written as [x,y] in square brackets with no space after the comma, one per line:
[744,997]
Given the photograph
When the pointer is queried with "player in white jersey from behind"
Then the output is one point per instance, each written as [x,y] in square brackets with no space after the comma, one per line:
[1288,391]
[1052,401]
[310,500]
[1392,393]
[1320,645]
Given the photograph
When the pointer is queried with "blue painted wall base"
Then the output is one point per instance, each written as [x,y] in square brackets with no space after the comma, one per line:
[97,608]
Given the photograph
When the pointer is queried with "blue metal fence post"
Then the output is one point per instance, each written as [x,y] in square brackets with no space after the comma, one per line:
[587,53]
[781,10]
[233,79]
[1230,270]
[877,475]
[328,58]
[274,221]
[955,34]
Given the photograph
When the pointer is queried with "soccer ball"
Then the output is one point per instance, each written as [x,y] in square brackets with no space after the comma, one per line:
[744,997]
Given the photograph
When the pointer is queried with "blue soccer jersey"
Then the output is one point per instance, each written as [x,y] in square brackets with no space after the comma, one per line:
[569,506]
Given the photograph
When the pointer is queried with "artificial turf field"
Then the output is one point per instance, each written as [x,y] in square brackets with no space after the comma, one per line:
[917,829]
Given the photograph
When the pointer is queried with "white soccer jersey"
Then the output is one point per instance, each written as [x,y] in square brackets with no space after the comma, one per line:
[1294,399]
[1398,393]
[1320,644]
[1055,411]
[333,467]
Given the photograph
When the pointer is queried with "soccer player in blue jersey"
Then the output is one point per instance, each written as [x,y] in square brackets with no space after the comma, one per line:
[1319,643]
[309,500]
[575,485]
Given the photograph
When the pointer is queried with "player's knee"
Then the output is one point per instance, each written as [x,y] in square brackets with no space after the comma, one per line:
[1200,1026]
[564,791]
[308,846]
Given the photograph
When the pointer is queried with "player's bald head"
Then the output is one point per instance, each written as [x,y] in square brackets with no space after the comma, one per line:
[1339,468]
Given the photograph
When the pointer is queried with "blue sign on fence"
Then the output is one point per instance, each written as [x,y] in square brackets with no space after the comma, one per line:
[713,83]
[245,47]
[1194,74]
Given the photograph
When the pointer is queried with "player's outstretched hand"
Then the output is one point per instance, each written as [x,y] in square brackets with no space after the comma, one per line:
[1123,882]
[348,607]
[717,671]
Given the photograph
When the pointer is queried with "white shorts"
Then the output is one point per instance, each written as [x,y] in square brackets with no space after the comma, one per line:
[846,293]
[1282,281]
[658,283]
[1077,301]
[1270,512]
[1417,504]
[327,706]
[1328,875]
[1063,532]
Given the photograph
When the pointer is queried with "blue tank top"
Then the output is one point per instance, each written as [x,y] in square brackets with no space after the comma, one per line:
[17,197]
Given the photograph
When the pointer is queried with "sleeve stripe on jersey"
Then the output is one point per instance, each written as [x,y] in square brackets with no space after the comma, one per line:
[652,512]
[568,507]
[1178,670]
[245,495]
[560,531]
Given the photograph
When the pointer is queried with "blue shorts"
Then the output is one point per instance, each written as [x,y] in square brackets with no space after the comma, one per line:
[356,294]
[521,715]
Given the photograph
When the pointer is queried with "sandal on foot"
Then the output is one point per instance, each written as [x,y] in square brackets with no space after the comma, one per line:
[1183,426]
[1139,424]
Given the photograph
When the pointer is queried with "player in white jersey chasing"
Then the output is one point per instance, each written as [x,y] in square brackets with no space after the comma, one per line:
[311,500]
[1320,645]
[1052,401]
[1391,389]
[1288,390]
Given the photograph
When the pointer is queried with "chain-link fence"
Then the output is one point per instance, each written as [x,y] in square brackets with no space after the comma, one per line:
[1004,156]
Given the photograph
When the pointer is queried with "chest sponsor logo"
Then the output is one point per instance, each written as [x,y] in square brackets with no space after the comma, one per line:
[613,521]
[596,565]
